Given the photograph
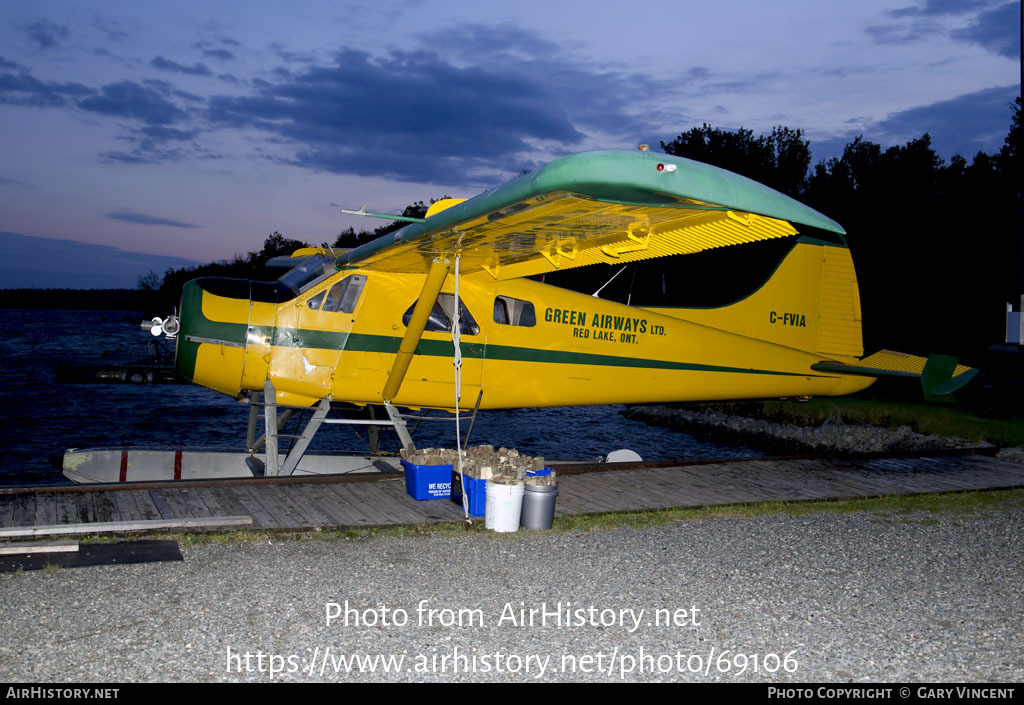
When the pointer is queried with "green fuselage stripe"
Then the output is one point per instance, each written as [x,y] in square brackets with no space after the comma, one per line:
[443,348]
[360,342]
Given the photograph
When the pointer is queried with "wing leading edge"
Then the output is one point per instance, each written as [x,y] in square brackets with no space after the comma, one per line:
[606,206]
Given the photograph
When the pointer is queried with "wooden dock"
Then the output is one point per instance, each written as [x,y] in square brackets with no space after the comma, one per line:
[381,500]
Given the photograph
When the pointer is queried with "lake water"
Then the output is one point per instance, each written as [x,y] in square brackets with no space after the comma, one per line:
[41,418]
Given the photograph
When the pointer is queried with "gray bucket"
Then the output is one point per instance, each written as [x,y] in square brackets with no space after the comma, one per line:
[538,506]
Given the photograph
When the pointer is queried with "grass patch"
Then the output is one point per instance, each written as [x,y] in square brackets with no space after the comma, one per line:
[919,416]
[895,507]
[961,503]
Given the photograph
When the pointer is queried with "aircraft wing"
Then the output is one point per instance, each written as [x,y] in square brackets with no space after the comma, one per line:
[608,206]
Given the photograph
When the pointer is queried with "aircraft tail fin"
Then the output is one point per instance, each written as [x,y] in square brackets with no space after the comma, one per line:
[940,375]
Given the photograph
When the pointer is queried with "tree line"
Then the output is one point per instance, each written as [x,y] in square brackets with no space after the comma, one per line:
[937,244]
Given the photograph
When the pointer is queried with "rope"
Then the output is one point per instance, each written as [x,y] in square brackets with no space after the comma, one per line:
[457,362]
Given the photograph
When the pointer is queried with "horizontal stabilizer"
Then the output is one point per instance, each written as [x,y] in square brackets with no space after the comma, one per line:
[940,375]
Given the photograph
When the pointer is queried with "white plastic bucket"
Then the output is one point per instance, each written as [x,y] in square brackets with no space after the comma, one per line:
[504,504]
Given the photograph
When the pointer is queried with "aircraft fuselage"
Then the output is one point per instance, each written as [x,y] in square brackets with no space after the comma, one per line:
[523,342]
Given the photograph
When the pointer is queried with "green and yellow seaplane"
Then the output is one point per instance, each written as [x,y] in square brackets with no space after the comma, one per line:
[443,314]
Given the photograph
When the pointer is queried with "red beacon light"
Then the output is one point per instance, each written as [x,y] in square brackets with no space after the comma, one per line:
[666,167]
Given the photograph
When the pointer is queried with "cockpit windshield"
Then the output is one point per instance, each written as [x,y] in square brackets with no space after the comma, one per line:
[308,272]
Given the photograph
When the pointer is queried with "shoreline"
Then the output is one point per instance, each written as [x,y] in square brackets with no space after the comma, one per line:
[832,436]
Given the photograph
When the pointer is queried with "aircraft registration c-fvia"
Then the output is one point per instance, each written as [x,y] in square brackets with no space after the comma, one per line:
[374,324]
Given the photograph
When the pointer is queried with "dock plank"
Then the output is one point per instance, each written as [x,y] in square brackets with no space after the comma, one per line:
[127,506]
[396,505]
[308,504]
[305,516]
[225,499]
[360,501]
[106,507]
[211,503]
[6,510]
[577,497]
[277,504]
[46,509]
[682,494]
[67,513]
[430,510]
[325,504]
[24,510]
[85,508]
[190,497]
[147,507]
[175,500]
[160,502]
[427,510]
[261,518]
[595,490]
[356,515]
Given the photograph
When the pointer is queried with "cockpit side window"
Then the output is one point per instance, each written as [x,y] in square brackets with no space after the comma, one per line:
[344,295]
[441,316]
[514,312]
[315,302]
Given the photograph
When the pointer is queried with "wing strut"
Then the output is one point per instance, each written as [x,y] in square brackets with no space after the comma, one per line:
[417,323]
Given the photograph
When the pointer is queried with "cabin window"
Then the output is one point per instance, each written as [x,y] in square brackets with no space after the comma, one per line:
[441,316]
[344,295]
[314,303]
[514,312]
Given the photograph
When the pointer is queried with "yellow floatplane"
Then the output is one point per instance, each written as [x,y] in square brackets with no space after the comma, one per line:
[382,324]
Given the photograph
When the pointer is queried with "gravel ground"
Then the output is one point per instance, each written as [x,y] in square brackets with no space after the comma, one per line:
[847,597]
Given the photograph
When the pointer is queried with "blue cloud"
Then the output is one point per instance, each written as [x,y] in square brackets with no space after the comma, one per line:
[221,54]
[963,125]
[410,116]
[993,24]
[594,96]
[933,8]
[23,89]
[136,156]
[903,33]
[111,28]
[997,30]
[418,116]
[164,134]
[45,33]
[130,100]
[197,69]
[143,219]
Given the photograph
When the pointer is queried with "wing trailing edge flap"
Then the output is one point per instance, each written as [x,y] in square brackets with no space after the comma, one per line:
[940,375]
[567,231]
